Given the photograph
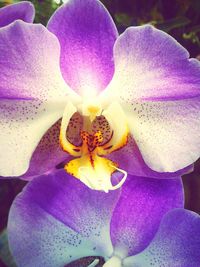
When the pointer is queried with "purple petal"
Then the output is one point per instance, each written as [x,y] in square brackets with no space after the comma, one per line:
[57,219]
[151,65]
[87,34]
[176,243]
[142,204]
[130,159]
[32,92]
[158,86]
[29,62]
[23,10]
[47,155]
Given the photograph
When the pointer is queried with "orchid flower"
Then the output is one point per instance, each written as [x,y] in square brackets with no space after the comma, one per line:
[57,220]
[76,92]
[23,10]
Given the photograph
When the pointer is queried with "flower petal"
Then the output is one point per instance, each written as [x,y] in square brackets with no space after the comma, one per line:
[57,219]
[130,159]
[151,65]
[142,204]
[176,243]
[158,87]
[47,155]
[23,10]
[87,34]
[167,133]
[32,92]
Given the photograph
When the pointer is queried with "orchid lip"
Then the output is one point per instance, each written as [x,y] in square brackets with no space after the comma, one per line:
[89,136]
[99,183]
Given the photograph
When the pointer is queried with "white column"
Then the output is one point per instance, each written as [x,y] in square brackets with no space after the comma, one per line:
[113,262]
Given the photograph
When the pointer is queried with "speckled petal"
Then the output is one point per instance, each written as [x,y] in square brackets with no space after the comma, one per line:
[57,219]
[47,155]
[158,87]
[87,34]
[142,204]
[22,10]
[176,243]
[129,158]
[32,92]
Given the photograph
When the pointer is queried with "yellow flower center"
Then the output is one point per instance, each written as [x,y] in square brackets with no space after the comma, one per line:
[90,137]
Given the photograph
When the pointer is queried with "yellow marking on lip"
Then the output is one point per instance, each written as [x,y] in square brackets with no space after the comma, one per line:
[98,137]
[90,169]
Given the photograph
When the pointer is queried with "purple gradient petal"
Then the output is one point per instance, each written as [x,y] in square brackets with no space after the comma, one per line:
[23,10]
[87,34]
[47,155]
[176,243]
[159,91]
[130,159]
[57,219]
[142,204]
[151,65]
[29,62]
[33,93]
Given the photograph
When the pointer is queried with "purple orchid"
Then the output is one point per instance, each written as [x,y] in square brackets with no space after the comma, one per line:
[78,90]
[23,10]
[57,220]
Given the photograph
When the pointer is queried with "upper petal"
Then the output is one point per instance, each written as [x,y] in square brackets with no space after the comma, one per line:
[22,10]
[57,219]
[175,244]
[87,34]
[158,87]
[141,206]
[32,92]
[151,65]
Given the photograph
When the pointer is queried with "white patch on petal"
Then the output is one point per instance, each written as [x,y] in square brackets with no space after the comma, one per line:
[23,123]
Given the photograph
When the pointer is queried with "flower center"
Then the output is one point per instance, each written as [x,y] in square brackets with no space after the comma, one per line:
[89,136]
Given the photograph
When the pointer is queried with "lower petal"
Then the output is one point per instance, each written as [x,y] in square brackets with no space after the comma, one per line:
[142,204]
[176,243]
[57,220]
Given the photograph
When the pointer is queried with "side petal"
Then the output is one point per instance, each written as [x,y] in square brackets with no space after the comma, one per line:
[32,92]
[87,34]
[47,155]
[142,204]
[152,65]
[158,87]
[129,158]
[176,243]
[167,133]
[22,10]
[57,220]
